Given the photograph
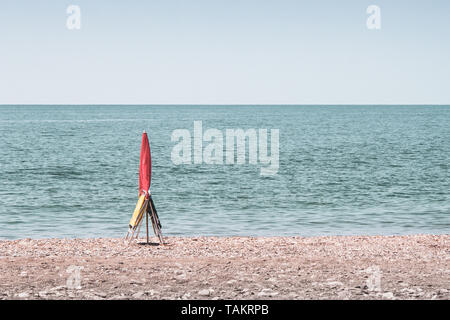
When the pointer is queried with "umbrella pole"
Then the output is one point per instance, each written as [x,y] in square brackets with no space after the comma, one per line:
[146,223]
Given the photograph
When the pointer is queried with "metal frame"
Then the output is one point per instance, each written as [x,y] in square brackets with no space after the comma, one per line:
[150,210]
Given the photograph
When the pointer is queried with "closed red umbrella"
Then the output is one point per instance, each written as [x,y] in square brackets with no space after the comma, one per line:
[145,204]
[145,168]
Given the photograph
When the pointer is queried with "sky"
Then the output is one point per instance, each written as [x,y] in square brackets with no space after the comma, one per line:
[225,52]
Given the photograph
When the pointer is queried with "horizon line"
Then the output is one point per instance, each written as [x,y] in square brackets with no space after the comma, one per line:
[220,104]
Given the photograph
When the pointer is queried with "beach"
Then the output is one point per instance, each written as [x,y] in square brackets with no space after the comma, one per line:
[330,267]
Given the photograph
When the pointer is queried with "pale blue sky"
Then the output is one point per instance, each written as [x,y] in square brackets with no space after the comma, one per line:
[225,52]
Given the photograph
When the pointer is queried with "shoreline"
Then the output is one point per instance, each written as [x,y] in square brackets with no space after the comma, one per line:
[324,267]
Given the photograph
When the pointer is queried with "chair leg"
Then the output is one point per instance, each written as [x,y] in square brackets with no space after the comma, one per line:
[146,224]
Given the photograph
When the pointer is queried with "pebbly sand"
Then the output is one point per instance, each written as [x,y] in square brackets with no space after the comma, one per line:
[353,267]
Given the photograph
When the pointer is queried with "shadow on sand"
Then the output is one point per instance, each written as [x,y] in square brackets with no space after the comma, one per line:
[153,244]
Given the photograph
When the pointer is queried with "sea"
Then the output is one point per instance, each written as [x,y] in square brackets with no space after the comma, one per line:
[69,171]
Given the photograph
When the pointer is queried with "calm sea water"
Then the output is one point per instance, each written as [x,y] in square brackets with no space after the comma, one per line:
[72,171]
